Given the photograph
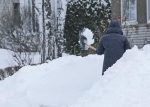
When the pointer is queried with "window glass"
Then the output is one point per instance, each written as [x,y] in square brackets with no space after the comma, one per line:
[129,10]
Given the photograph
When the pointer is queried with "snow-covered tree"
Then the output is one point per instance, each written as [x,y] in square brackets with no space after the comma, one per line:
[92,14]
[54,29]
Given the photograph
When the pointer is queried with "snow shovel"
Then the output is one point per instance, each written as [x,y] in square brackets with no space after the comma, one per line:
[84,45]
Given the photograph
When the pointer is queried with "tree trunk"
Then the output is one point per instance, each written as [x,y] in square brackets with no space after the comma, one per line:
[43,53]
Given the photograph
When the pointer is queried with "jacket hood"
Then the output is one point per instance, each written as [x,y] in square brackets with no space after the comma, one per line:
[114,27]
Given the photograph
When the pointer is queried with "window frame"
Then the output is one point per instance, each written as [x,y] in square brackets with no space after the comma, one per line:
[148,20]
[130,22]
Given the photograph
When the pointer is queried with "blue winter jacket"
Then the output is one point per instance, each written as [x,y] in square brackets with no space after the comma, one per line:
[112,45]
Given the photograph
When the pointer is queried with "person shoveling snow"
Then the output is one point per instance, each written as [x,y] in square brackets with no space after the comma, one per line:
[112,45]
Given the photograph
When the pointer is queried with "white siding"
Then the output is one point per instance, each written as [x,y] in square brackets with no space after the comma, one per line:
[138,36]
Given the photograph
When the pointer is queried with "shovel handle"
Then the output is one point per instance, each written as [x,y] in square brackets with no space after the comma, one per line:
[91,47]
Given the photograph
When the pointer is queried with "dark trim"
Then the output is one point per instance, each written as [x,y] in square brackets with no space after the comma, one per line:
[116,8]
[141,11]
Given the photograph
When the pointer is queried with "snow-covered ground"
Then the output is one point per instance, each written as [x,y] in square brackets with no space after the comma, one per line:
[73,81]
[6,58]
[57,83]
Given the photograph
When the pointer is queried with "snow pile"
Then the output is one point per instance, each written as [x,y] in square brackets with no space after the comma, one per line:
[6,59]
[73,81]
[57,83]
[9,58]
[126,84]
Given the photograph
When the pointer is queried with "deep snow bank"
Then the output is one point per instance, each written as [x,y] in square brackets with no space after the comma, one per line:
[61,82]
[125,84]
[57,83]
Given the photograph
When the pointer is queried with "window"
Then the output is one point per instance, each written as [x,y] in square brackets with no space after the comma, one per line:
[16,7]
[129,10]
[16,11]
[148,11]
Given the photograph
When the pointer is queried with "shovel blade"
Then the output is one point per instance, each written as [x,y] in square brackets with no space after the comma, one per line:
[83,42]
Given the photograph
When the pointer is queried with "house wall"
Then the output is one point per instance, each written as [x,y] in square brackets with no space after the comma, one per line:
[16,1]
[138,34]
[22,14]
[6,6]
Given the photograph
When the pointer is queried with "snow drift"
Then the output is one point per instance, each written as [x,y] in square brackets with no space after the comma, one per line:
[125,84]
[56,83]
[73,81]
[6,59]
